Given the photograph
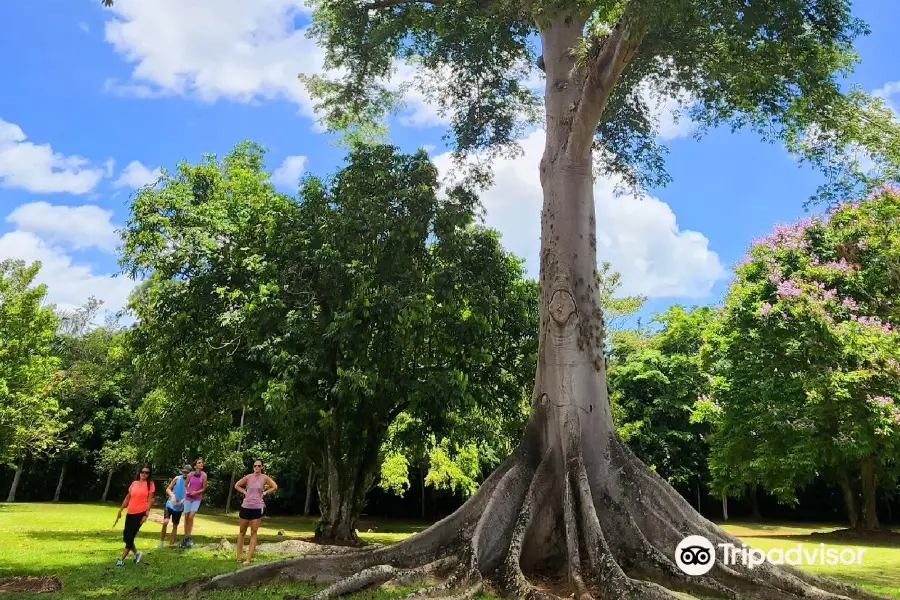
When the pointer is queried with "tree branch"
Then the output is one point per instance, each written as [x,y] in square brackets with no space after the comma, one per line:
[606,60]
[389,3]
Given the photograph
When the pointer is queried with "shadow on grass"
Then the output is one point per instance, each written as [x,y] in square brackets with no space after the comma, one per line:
[815,540]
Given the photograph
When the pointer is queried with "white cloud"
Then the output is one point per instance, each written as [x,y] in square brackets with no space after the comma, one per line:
[135,175]
[215,49]
[640,237]
[887,93]
[667,110]
[229,50]
[36,168]
[80,227]
[69,284]
[288,174]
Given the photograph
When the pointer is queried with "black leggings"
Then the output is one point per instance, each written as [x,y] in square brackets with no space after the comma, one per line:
[132,526]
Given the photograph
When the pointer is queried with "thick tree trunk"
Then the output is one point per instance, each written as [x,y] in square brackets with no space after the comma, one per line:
[343,476]
[11,497]
[572,500]
[850,504]
[309,491]
[869,493]
[106,487]
[59,484]
[753,498]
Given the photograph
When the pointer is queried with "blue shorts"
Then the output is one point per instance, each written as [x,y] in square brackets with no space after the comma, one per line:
[191,507]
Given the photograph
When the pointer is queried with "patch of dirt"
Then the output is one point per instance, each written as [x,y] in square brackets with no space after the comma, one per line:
[34,585]
[858,535]
[303,546]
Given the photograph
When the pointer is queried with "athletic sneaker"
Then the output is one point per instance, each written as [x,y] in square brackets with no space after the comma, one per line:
[120,563]
[138,556]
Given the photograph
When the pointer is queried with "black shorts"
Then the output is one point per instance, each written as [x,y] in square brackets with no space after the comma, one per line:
[250,514]
[132,526]
[173,515]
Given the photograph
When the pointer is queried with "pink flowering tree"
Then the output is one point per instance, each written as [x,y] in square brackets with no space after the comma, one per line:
[804,358]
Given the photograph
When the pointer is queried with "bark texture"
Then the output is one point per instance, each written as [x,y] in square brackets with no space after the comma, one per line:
[11,497]
[106,487]
[869,492]
[309,491]
[59,484]
[572,504]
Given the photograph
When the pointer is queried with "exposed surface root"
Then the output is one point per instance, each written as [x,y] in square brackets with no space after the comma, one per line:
[365,578]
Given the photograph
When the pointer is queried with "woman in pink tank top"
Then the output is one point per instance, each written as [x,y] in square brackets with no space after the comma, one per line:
[254,488]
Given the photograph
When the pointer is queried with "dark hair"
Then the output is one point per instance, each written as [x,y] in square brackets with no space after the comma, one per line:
[137,476]
[196,460]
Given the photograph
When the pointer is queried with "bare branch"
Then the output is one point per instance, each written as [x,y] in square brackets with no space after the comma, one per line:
[606,60]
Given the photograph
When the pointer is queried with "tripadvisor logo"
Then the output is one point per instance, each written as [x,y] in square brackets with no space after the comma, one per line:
[696,555]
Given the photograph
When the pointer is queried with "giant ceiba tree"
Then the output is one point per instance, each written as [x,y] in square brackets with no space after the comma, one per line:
[572,498]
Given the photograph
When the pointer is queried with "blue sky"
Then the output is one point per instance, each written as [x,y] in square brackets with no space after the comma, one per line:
[93,101]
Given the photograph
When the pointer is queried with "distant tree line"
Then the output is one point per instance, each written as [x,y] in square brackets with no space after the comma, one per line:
[376,346]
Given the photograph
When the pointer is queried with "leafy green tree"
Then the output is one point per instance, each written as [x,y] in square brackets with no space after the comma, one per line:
[805,358]
[371,296]
[114,456]
[30,417]
[772,66]
[654,384]
[95,388]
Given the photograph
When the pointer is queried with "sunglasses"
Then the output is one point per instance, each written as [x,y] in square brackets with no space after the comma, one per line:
[145,472]
[255,466]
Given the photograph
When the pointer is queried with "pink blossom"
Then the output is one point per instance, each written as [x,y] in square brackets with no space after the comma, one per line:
[841,265]
[881,400]
[764,309]
[746,260]
[786,236]
[874,322]
[849,303]
[827,294]
[788,288]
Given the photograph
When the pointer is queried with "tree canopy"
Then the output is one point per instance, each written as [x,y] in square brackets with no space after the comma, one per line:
[370,296]
[805,353]
[30,416]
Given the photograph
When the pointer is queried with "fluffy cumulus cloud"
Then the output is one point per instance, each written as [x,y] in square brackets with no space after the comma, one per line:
[230,50]
[136,175]
[38,169]
[214,49]
[288,174]
[39,235]
[79,227]
[890,92]
[640,237]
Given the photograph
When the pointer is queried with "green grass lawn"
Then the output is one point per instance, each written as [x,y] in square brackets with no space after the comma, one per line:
[77,543]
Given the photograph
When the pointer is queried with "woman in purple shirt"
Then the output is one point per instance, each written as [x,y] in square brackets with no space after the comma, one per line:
[253,488]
